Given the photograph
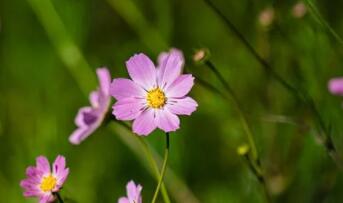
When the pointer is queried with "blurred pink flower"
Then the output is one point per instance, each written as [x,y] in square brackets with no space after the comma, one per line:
[155,96]
[90,118]
[266,17]
[336,86]
[299,9]
[41,182]
[133,193]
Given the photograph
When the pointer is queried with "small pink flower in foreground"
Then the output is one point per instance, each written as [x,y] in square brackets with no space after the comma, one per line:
[41,182]
[90,118]
[133,193]
[155,96]
[336,86]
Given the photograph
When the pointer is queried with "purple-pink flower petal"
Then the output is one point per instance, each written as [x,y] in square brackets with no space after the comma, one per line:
[43,164]
[133,193]
[142,71]
[89,118]
[144,124]
[170,69]
[80,134]
[104,77]
[182,106]
[181,86]
[37,185]
[167,121]
[46,198]
[336,86]
[155,96]
[94,98]
[124,88]
[60,170]
[128,109]
[32,193]
[123,200]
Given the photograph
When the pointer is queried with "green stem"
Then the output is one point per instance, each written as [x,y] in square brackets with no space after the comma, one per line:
[59,197]
[238,108]
[155,169]
[299,94]
[252,50]
[257,171]
[151,160]
[316,14]
[254,164]
[164,166]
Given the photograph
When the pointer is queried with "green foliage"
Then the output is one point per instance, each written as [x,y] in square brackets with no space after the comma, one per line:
[49,52]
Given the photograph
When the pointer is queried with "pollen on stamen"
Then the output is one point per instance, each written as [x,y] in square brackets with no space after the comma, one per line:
[156,98]
[48,183]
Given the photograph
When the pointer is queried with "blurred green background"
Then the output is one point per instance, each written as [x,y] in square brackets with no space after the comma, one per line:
[49,52]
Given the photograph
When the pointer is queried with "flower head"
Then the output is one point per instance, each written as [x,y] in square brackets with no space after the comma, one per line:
[42,182]
[155,96]
[266,17]
[336,86]
[201,55]
[133,193]
[299,10]
[89,118]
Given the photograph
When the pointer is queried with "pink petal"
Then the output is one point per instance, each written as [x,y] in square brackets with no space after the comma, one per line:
[164,55]
[43,164]
[144,124]
[170,69]
[46,198]
[336,86]
[94,98]
[34,173]
[81,134]
[181,86]
[128,109]
[79,119]
[32,193]
[123,88]
[30,183]
[104,77]
[123,200]
[183,106]
[161,58]
[167,121]
[61,178]
[142,71]
[133,191]
[59,165]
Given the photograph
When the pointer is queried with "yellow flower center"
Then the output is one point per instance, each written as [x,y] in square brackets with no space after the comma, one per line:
[48,183]
[156,98]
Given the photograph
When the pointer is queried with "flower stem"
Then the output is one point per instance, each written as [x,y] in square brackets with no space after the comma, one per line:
[155,169]
[238,108]
[59,197]
[151,160]
[257,171]
[164,166]
[254,163]
[316,14]
[299,94]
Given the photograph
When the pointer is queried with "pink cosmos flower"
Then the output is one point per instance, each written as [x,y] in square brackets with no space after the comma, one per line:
[133,193]
[336,86]
[90,118]
[41,182]
[155,96]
